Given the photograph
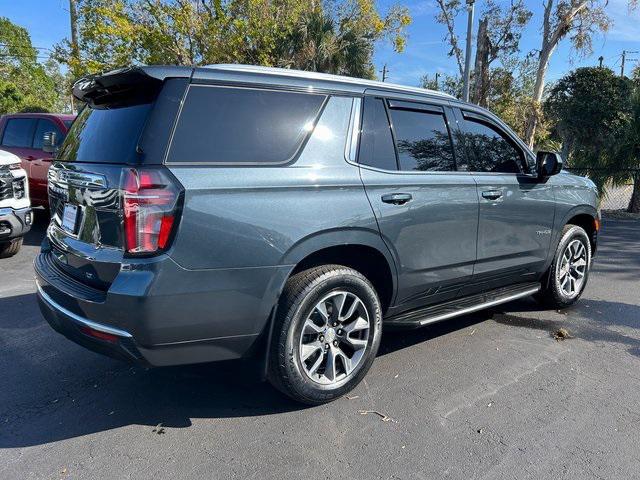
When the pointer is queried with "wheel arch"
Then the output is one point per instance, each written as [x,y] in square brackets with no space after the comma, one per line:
[584,216]
[360,249]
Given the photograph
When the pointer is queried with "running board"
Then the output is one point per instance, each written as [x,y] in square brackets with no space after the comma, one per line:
[462,306]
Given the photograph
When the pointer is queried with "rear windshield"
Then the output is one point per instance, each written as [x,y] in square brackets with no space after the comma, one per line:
[105,135]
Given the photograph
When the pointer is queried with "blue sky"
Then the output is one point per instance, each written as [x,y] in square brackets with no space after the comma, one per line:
[48,22]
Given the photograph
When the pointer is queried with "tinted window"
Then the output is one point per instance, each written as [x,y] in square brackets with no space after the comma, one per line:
[43,127]
[489,150]
[240,125]
[105,136]
[18,132]
[423,140]
[376,142]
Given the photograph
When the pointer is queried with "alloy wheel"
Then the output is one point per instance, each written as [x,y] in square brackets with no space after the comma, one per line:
[573,268]
[334,337]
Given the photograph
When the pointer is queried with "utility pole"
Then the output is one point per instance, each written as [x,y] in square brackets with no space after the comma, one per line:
[625,58]
[75,54]
[437,77]
[384,72]
[467,58]
[600,59]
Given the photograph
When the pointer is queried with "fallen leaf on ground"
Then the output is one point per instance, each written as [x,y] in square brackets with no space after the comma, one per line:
[159,429]
[561,334]
[383,417]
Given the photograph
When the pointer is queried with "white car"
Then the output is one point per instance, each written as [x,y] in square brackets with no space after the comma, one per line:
[15,208]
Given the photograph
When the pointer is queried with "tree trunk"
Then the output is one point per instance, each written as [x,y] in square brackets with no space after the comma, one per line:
[481,67]
[634,204]
[538,89]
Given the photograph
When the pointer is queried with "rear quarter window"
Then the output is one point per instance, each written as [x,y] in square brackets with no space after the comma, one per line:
[228,125]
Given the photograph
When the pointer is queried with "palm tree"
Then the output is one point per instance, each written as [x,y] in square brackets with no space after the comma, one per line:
[324,42]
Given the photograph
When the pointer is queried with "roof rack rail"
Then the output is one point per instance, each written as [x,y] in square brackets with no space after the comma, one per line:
[291,73]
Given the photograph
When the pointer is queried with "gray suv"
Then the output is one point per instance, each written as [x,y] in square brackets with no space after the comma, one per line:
[222,212]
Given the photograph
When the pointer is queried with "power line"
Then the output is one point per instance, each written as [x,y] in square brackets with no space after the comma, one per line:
[10,45]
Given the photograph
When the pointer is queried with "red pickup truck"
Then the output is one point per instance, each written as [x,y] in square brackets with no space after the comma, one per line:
[22,135]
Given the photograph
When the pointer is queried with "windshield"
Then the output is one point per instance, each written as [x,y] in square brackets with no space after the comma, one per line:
[105,135]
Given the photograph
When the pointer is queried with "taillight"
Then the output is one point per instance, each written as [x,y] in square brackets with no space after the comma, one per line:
[150,203]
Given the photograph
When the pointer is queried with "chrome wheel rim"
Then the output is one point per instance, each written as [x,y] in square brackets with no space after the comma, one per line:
[334,337]
[573,268]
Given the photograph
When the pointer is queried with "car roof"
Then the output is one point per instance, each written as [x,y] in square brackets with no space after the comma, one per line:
[96,89]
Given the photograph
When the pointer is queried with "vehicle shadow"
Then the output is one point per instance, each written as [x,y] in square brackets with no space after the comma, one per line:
[77,392]
[90,394]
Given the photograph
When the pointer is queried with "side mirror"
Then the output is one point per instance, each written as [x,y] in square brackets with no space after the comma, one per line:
[49,142]
[547,164]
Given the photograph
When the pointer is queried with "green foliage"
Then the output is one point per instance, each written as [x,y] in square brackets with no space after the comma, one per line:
[596,116]
[24,82]
[511,88]
[590,108]
[326,36]
[451,84]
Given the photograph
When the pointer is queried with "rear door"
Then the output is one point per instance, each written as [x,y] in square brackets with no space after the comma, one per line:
[516,210]
[426,210]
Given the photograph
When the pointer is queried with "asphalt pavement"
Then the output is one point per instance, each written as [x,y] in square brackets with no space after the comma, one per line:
[491,395]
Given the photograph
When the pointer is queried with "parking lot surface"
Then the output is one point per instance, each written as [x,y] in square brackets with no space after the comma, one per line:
[491,395]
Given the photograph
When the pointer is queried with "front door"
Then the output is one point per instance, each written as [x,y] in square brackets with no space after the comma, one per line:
[427,212]
[516,209]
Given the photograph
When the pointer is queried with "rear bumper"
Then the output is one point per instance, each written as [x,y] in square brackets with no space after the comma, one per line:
[74,327]
[152,321]
[14,223]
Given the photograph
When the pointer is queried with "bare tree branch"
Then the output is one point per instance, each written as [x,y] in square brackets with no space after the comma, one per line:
[446,17]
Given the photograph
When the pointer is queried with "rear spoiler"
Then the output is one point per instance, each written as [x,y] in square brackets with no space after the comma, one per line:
[125,86]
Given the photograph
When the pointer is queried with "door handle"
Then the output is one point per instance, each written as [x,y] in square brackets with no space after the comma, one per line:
[492,194]
[397,198]
[30,157]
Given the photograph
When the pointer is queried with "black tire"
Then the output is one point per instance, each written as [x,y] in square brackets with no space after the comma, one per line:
[9,249]
[302,293]
[552,295]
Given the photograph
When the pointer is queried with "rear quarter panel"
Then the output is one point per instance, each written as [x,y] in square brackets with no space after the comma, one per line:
[258,222]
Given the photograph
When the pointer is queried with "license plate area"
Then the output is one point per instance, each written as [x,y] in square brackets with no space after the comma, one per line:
[70,218]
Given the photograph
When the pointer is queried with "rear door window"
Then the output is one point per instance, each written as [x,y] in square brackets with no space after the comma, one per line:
[18,132]
[422,138]
[376,142]
[45,126]
[226,125]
